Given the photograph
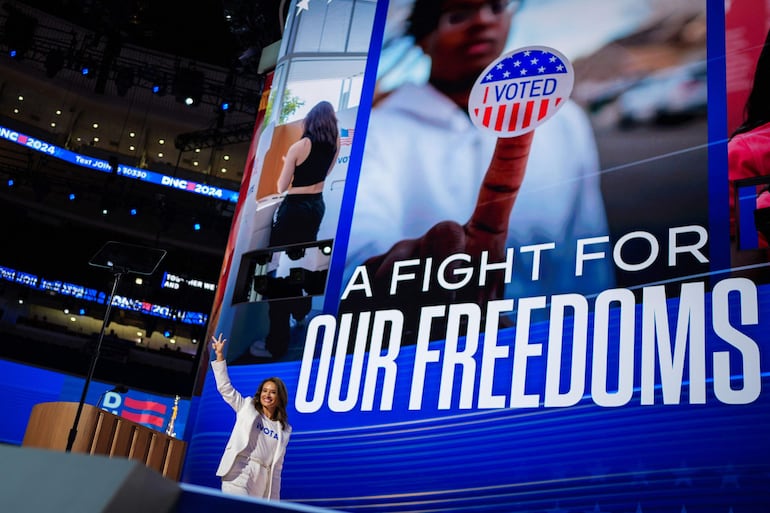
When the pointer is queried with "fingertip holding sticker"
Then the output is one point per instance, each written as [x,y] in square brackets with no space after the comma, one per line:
[521,90]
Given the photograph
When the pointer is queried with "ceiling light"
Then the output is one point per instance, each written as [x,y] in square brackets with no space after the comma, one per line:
[160,155]
[15,111]
[226,157]
[224,170]
[195,163]
[132,147]
[197,150]
[132,134]
[21,98]
[58,112]
[95,125]
[53,124]
[96,139]
[161,141]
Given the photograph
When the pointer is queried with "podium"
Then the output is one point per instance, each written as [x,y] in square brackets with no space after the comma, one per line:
[104,433]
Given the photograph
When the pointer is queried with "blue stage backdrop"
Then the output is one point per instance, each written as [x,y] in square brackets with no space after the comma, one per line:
[24,386]
[592,337]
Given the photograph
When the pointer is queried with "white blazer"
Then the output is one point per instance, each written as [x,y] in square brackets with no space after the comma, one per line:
[245,415]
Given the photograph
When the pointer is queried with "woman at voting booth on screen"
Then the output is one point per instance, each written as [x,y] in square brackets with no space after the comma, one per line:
[253,458]
[305,167]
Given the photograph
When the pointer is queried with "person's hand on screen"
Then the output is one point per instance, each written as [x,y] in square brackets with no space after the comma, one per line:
[486,230]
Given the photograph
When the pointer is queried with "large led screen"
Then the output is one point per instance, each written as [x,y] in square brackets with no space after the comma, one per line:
[570,321]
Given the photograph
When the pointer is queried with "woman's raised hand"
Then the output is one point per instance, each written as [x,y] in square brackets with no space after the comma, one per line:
[218,344]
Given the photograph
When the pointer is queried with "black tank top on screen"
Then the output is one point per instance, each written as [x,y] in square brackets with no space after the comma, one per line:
[314,168]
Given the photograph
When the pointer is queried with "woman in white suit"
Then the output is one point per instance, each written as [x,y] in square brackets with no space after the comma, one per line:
[253,458]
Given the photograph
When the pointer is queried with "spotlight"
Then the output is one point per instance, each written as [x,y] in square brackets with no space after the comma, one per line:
[326,249]
[188,86]
[159,87]
[295,253]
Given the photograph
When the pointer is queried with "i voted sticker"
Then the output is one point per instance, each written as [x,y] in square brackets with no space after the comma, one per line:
[521,90]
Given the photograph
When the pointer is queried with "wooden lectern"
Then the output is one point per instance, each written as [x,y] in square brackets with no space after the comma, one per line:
[102,432]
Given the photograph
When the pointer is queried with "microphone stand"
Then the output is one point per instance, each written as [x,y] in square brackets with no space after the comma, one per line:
[120,259]
[74,430]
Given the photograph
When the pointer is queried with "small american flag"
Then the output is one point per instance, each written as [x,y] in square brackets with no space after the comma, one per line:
[521,90]
[346,136]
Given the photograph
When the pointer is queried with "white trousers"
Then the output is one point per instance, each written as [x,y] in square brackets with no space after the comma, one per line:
[247,477]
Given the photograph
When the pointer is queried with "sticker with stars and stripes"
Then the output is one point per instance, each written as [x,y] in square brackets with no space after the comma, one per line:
[521,90]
